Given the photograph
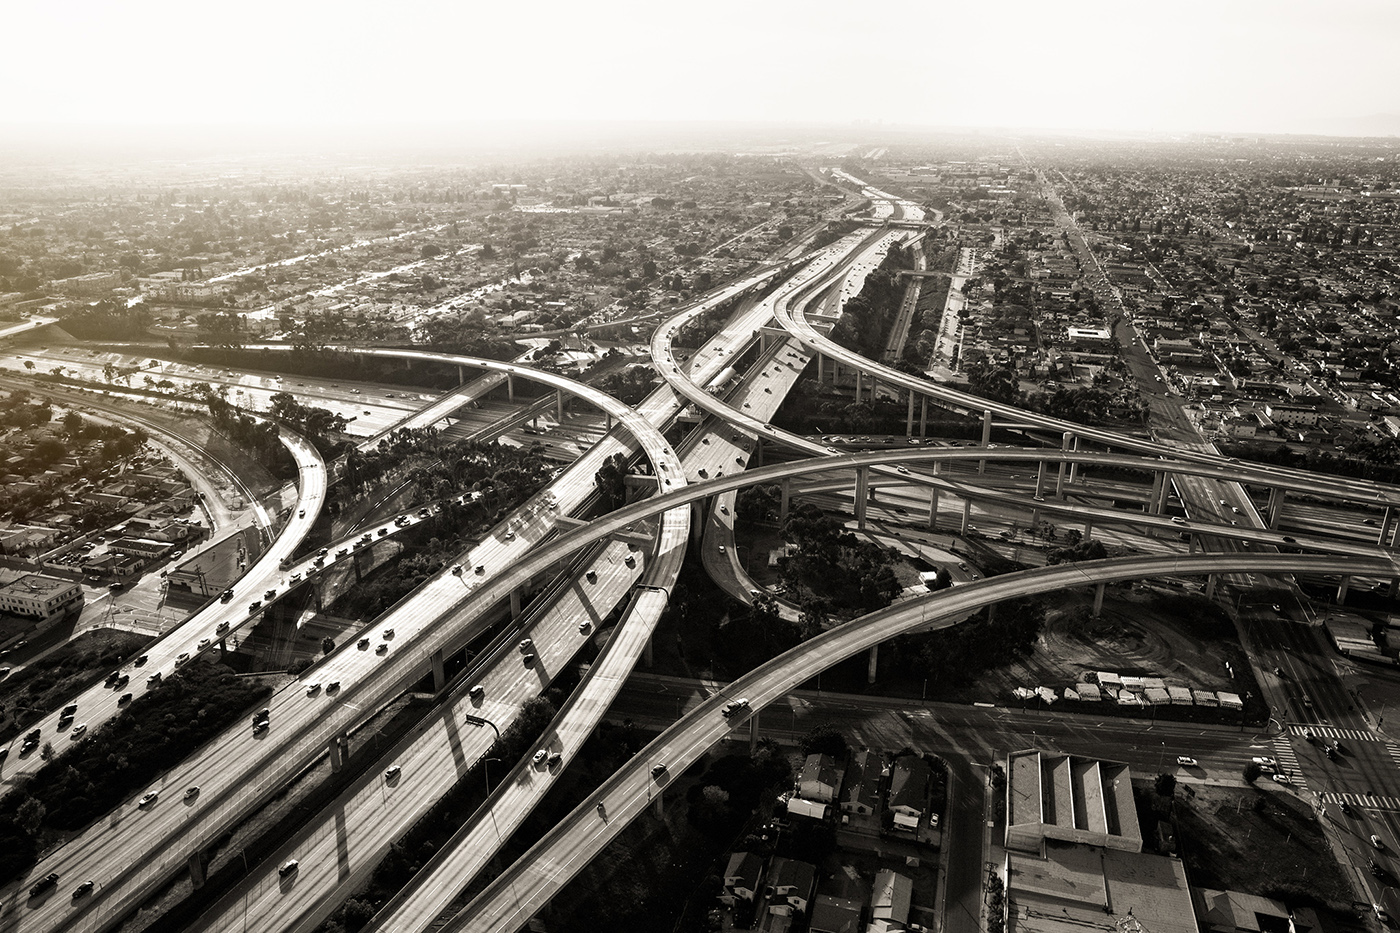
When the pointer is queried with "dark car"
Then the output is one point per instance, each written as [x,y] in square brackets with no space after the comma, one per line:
[43,884]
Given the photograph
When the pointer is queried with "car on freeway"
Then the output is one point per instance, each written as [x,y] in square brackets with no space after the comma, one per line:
[192,792]
[1186,761]
[1282,779]
[150,798]
[124,699]
[658,769]
[313,689]
[528,659]
[735,706]
[540,757]
[43,884]
[1376,842]
[333,687]
[363,643]
[81,890]
[477,692]
[78,731]
[392,772]
[383,648]
[287,867]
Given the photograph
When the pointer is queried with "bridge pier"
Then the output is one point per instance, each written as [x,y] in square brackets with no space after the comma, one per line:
[933,508]
[196,864]
[909,417]
[337,752]
[1277,496]
[821,369]
[966,515]
[1385,525]
[858,381]
[1342,589]
[559,404]
[1164,495]
[515,601]
[753,730]
[1190,544]
[1098,599]
[510,387]
[758,452]
[1088,529]
[658,805]
[986,437]
[862,494]
[439,675]
[785,488]
[923,416]
[649,653]
[873,664]
[1394,588]
[1211,581]
[461,375]
[1155,494]
[1040,480]
[1074,467]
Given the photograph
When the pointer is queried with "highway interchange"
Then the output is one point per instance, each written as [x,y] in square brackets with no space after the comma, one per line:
[236,773]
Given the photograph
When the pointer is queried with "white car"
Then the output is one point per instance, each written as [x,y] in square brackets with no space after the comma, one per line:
[1186,761]
[1283,779]
[540,757]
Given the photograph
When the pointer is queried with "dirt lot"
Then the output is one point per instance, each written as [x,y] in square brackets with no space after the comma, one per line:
[1145,630]
[1278,850]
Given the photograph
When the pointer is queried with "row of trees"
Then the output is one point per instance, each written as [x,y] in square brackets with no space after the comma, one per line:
[124,755]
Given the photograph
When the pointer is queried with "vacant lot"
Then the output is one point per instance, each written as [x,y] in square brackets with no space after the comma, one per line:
[1231,841]
[1144,630]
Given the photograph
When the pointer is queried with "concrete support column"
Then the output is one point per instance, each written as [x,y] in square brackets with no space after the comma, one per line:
[608,416]
[1040,479]
[658,804]
[862,494]
[1098,599]
[1211,581]
[966,515]
[461,375]
[1385,525]
[439,676]
[1088,529]
[933,494]
[510,387]
[196,864]
[909,416]
[1394,589]
[874,385]
[1164,494]
[758,452]
[1276,500]
[923,416]
[1074,467]
[337,753]
[786,489]
[821,369]
[1191,544]
[1395,536]
[858,382]
[872,664]
[753,730]
[559,404]
[1060,481]
[986,437]
[1154,497]
[1342,589]
[515,603]
[648,653]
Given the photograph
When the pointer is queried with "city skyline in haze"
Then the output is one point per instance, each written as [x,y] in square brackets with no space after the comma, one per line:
[1298,66]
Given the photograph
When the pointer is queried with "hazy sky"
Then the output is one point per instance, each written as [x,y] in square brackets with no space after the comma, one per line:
[1271,65]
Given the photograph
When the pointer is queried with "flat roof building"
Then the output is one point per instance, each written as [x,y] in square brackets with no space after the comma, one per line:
[36,596]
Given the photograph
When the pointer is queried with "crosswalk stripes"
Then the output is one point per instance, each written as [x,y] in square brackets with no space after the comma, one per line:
[1393,750]
[1332,732]
[1288,762]
[1364,801]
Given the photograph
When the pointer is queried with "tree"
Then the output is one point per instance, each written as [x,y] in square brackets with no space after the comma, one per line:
[1165,785]
[824,739]
[1252,772]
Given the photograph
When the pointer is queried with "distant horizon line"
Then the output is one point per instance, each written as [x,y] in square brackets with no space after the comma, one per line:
[749,125]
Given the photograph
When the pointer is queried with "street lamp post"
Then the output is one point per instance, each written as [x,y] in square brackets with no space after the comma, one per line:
[486,765]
